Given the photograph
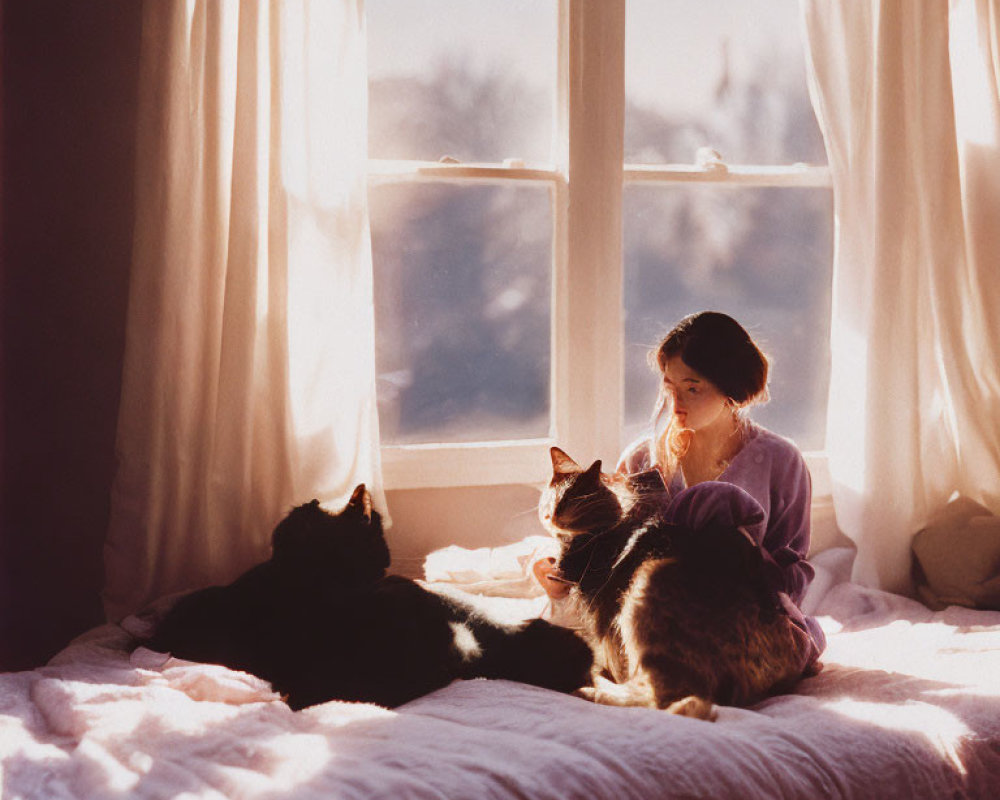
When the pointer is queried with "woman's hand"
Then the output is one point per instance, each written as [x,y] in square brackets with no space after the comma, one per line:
[547,574]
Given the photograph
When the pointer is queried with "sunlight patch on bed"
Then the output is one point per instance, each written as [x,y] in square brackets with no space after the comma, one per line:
[295,758]
[945,732]
[891,648]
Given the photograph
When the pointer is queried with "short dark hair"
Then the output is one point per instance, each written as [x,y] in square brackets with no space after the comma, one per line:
[717,346]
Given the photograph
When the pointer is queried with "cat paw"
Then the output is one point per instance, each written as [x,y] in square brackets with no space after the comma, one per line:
[587,693]
[694,707]
[635,692]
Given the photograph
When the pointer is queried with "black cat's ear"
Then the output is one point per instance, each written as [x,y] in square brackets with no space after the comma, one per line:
[593,472]
[562,464]
[361,500]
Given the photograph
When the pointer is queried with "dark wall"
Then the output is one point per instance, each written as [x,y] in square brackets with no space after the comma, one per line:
[69,79]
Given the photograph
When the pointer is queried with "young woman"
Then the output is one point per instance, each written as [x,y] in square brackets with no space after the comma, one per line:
[712,372]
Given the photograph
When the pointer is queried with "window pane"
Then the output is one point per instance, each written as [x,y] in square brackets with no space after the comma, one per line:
[717,73]
[761,255]
[462,309]
[471,80]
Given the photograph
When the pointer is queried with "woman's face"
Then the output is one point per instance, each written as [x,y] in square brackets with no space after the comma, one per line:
[697,402]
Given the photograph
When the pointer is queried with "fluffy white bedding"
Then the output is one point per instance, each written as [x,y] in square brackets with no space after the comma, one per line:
[908,706]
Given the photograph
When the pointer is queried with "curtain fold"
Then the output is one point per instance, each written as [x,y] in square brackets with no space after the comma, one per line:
[249,379]
[915,337]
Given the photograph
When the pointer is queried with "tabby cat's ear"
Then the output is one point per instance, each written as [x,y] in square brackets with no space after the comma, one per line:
[562,464]
[594,471]
[361,500]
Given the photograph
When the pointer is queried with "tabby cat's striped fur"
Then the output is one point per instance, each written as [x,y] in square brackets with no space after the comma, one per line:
[678,618]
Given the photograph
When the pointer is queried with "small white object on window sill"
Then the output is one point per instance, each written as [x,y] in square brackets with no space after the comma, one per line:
[708,159]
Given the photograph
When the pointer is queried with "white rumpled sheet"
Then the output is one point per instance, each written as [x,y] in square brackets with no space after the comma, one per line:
[908,706]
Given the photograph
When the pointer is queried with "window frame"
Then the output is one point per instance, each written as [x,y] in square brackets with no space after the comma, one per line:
[586,185]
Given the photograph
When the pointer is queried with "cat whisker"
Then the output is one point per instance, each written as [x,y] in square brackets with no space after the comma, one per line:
[528,512]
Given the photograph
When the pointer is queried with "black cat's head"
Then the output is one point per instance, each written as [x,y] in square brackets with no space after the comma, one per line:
[578,500]
[314,546]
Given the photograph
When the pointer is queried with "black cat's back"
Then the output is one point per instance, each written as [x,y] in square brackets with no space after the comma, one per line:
[388,644]
[397,640]
[218,624]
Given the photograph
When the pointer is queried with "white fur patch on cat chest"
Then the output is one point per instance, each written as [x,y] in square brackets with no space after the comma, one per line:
[464,641]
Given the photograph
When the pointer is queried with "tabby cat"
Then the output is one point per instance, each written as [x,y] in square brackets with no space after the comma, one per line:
[321,620]
[679,616]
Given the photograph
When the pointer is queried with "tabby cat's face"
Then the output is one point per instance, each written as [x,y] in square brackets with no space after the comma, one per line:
[578,500]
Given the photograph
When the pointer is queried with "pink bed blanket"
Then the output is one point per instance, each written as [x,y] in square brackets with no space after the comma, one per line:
[908,706]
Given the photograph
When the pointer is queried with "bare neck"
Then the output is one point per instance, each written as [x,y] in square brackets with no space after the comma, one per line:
[712,449]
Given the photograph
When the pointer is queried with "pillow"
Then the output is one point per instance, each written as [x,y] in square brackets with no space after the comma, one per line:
[956,558]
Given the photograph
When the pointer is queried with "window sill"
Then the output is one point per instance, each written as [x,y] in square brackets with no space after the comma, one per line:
[425,466]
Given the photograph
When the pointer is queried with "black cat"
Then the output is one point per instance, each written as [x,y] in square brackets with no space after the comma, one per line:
[321,620]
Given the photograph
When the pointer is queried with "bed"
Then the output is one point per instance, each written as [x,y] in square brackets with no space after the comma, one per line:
[908,705]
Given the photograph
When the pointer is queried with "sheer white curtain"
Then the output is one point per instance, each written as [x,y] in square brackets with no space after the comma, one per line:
[906,94]
[249,381]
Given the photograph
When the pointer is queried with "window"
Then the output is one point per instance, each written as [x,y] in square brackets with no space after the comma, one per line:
[752,238]
[539,219]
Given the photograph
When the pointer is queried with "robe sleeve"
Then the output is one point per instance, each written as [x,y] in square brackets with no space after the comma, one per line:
[788,533]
